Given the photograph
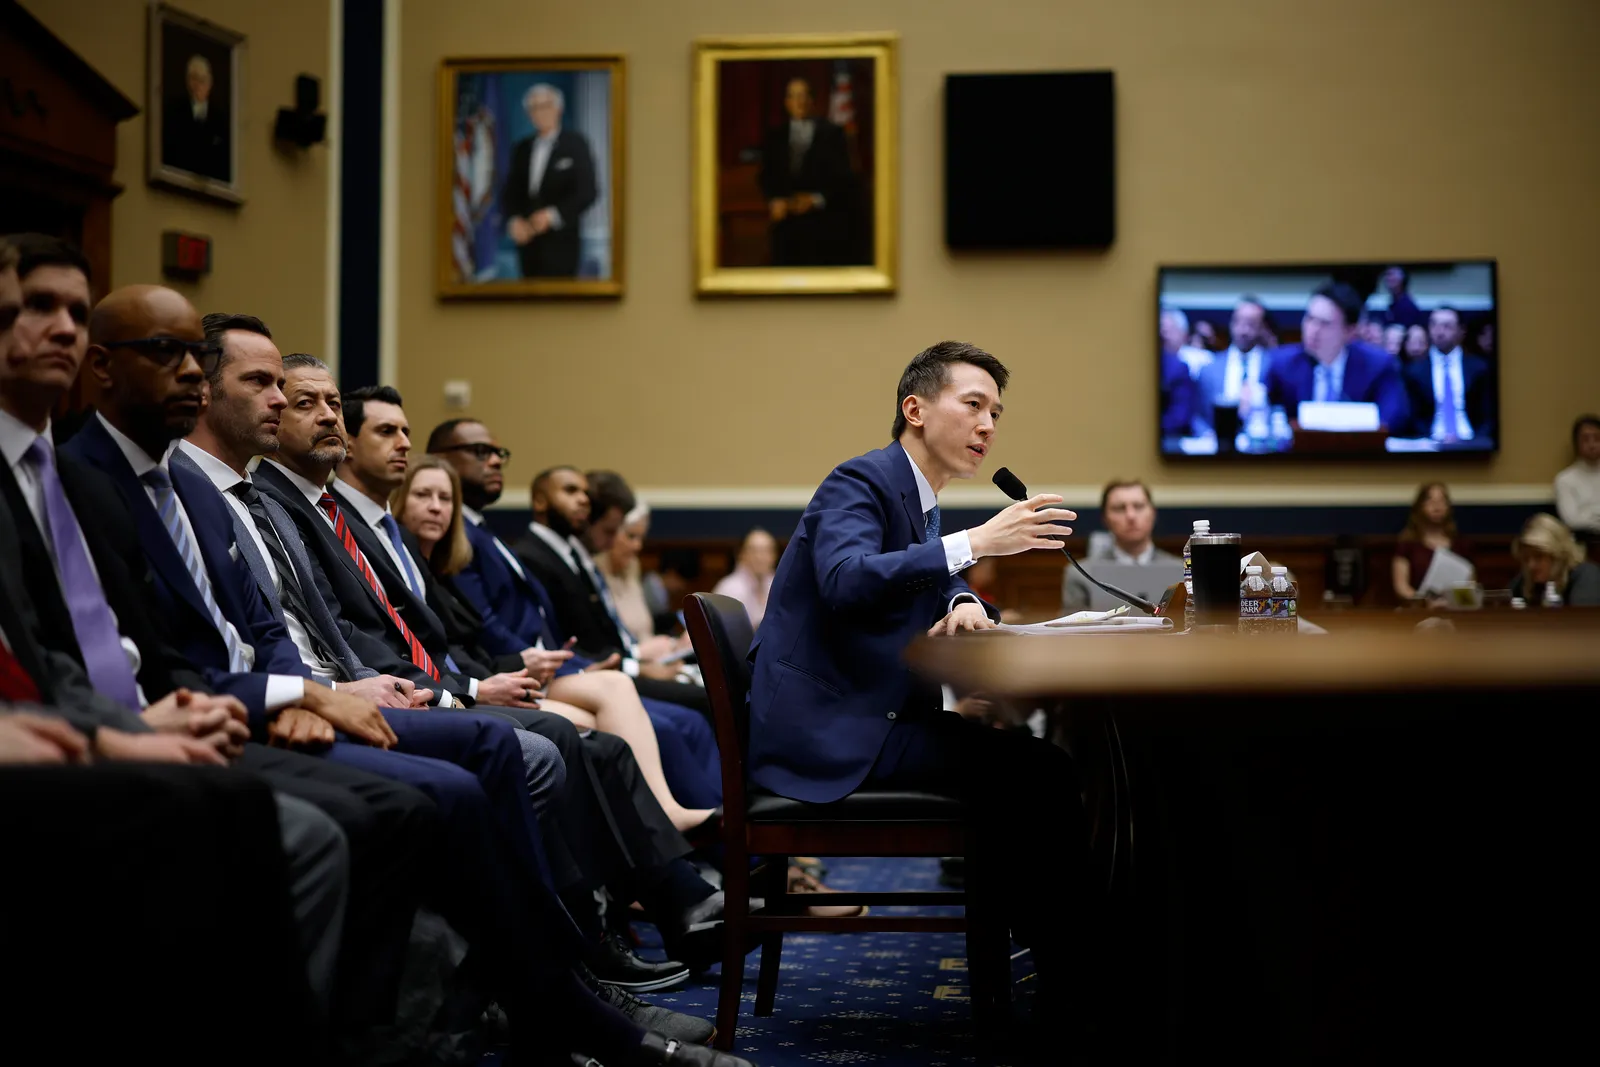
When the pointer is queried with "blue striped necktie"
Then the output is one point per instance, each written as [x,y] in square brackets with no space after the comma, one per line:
[932,520]
[167,507]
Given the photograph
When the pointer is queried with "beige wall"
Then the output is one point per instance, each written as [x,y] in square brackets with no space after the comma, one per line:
[1248,130]
[269,256]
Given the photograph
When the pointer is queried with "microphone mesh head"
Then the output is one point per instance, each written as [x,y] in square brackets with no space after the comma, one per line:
[1010,484]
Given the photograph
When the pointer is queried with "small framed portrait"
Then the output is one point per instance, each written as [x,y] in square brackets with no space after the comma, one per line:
[192,119]
[795,184]
[530,177]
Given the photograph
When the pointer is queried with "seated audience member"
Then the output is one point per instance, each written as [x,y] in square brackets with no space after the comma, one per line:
[1451,393]
[679,570]
[1372,326]
[1330,364]
[1416,343]
[1578,485]
[1397,282]
[1129,516]
[1430,527]
[1394,339]
[640,597]
[1232,380]
[751,578]
[554,552]
[150,356]
[426,502]
[1177,339]
[1549,555]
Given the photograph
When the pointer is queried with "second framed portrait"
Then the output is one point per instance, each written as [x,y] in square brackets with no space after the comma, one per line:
[530,177]
[795,179]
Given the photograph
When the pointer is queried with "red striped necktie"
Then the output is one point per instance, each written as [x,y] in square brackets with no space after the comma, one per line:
[16,686]
[347,537]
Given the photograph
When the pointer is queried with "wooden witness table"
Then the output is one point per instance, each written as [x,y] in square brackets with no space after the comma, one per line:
[1362,847]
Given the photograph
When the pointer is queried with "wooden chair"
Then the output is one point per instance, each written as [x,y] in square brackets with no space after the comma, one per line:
[865,823]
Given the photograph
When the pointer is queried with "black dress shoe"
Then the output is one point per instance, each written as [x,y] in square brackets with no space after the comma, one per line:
[695,934]
[673,1024]
[614,963]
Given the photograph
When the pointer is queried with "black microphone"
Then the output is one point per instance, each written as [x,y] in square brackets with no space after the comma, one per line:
[1012,487]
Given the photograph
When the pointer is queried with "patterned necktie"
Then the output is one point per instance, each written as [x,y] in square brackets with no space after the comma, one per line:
[347,537]
[92,620]
[598,586]
[932,523]
[1324,383]
[1450,429]
[16,686]
[289,591]
[408,572]
[167,507]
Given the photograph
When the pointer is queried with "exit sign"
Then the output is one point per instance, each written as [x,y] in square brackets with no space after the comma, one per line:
[185,255]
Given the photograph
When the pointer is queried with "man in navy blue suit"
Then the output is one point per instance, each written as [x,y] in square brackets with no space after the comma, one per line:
[1331,365]
[868,570]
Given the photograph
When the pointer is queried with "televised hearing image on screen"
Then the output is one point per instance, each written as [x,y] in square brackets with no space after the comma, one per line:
[1347,359]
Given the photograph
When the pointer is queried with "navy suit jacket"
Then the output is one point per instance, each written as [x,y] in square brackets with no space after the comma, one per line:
[516,609]
[857,583]
[1371,376]
[177,602]
[1476,376]
[1179,397]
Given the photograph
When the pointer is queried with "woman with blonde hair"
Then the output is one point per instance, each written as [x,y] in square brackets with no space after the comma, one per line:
[676,752]
[1550,555]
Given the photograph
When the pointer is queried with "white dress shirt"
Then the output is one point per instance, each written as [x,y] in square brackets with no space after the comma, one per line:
[1578,495]
[16,437]
[1335,377]
[1144,558]
[225,478]
[1447,374]
[372,514]
[313,492]
[282,689]
[538,163]
[957,546]
[1240,368]
[568,549]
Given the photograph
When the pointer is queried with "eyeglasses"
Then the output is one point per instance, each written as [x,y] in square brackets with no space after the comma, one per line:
[480,450]
[169,351]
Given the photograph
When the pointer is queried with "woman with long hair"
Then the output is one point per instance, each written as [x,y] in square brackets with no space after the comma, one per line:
[677,753]
[1430,527]
[1550,555]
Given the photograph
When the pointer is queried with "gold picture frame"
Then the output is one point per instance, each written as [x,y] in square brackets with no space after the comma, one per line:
[195,72]
[531,177]
[796,190]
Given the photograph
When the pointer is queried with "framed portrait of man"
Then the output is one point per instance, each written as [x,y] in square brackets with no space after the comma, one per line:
[530,177]
[795,186]
[192,119]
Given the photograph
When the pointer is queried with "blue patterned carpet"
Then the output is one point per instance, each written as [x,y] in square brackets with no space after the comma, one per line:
[898,1000]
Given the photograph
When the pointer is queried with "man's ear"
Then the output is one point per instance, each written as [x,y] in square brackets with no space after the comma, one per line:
[97,363]
[911,408]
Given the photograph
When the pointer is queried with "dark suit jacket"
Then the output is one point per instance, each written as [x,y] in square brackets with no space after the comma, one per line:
[858,582]
[202,148]
[568,185]
[373,636]
[1476,375]
[580,612]
[125,576]
[1179,397]
[177,600]
[1371,376]
[827,235]
[516,610]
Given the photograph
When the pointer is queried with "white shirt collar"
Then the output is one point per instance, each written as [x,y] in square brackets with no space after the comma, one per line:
[16,437]
[371,513]
[1235,350]
[222,476]
[1145,557]
[927,499]
[472,516]
[1452,356]
[137,457]
[309,489]
[562,547]
[546,138]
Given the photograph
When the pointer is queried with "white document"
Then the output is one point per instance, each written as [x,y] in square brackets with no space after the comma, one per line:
[1447,571]
[1341,416]
[1115,621]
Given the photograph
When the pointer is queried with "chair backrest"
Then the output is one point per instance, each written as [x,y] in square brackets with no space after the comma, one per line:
[720,629]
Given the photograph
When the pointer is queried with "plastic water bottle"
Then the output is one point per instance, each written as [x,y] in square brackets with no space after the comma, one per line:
[1200,526]
[1552,596]
[1255,603]
[1285,602]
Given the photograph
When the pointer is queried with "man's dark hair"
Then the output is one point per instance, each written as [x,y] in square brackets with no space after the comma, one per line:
[544,476]
[1345,298]
[220,322]
[1124,483]
[1253,299]
[1580,423]
[441,433]
[355,404]
[1405,275]
[929,372]
[35,250]
[607,490]
[1460,319]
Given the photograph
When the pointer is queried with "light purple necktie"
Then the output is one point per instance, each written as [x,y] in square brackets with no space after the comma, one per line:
[92,621]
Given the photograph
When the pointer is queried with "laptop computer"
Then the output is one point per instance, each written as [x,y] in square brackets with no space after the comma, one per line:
[1141,579]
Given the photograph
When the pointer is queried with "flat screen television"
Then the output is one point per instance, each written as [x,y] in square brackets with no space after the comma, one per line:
[1342,359]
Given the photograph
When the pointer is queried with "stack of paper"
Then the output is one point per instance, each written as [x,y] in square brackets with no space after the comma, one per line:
[1117,620]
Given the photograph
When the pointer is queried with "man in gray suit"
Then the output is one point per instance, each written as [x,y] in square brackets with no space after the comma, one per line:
[1130,517]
